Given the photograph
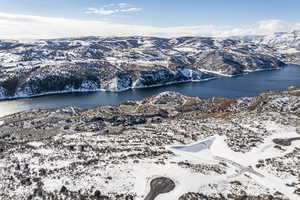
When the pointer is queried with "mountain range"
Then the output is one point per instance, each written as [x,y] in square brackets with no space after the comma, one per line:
[40,67]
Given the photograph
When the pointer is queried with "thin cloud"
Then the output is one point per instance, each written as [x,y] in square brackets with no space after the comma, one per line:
[14,26]
[17,18]
[100,11]
[113,8]
[123,5]
[131,9]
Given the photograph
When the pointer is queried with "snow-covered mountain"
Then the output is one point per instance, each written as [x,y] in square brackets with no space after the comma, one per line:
[120,63]
[285,43]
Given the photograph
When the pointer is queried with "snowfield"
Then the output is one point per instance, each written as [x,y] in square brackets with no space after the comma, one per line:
[216,149]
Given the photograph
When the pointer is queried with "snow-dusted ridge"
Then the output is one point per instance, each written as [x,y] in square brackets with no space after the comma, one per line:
[120,63]
[284,43]
[112,88]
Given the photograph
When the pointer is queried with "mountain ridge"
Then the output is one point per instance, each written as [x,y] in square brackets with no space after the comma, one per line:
[120,63]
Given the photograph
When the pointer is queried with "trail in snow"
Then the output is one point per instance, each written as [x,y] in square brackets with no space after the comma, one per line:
[243,169]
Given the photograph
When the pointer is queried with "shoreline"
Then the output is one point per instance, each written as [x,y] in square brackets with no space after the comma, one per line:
[218,75]
[101,90]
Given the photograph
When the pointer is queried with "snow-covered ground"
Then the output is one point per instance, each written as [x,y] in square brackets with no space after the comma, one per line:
[208,147]
[216,149]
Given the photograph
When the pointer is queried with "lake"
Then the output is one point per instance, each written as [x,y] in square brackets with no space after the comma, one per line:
[247,85]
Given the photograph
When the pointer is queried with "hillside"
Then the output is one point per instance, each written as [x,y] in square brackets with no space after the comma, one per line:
[245,148]
[120,63]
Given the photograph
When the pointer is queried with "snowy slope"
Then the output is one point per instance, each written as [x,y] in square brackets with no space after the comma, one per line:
[120,63]
[285,43]
[210,148]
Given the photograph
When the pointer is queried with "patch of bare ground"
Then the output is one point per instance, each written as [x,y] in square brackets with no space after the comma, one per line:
[258,102]
[220,196]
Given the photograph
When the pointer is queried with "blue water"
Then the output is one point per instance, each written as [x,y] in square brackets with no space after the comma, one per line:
[251,84]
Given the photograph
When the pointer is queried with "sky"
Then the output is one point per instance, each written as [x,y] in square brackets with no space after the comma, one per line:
[36,19]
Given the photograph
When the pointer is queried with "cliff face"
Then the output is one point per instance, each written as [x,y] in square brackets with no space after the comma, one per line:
[120,63]
[219,148]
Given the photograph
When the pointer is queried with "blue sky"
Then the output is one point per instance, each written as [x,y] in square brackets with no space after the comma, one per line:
[221,14]
[164,12]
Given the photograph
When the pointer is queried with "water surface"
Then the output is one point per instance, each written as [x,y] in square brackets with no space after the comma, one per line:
[248,85]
